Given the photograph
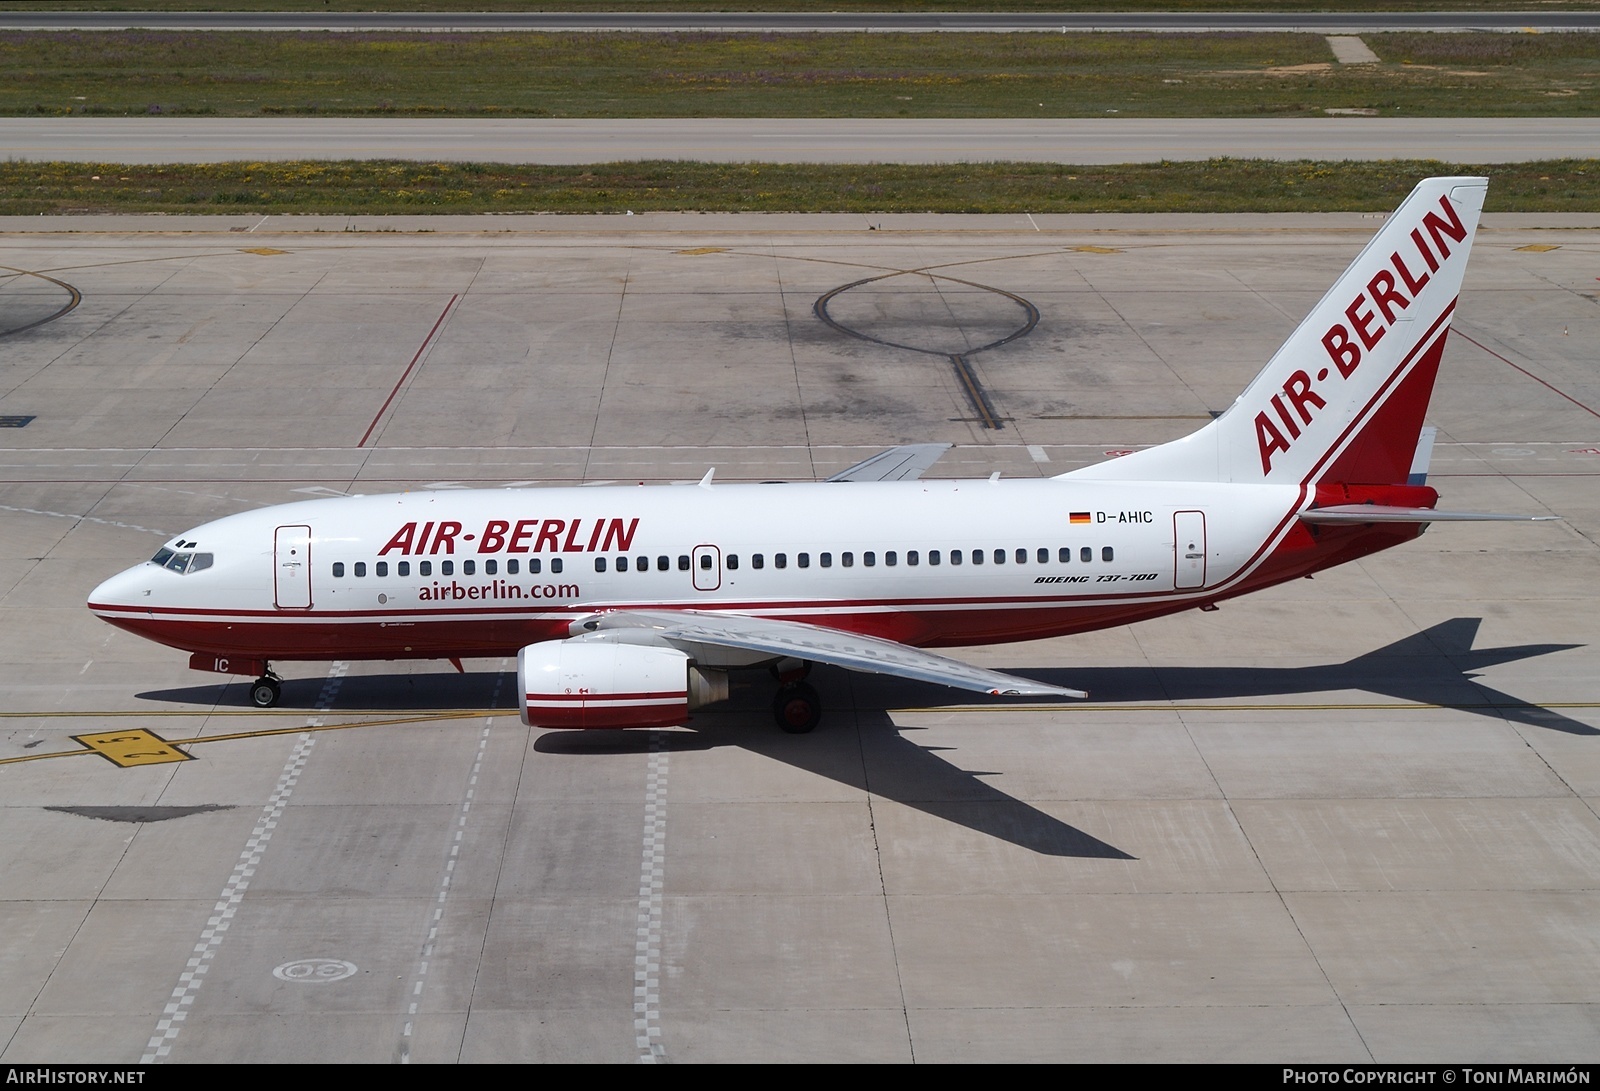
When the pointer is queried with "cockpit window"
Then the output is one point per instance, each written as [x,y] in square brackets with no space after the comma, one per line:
[182,563]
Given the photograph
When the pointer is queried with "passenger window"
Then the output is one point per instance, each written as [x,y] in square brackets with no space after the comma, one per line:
[977,556]
[705,562]
[382,568]
[490,567]
[847,559]
[803,560]
[1022,556]
[1106,554]
[733,562]
[955,557]
[599,564]
[622,564]
[424,568]
[1044,555]
[999,556]
[535,566]
[911,556]
[826,560]
[663,564]
[933,557]
[512,566]
[361,569]
[446,568]
[1065,555]
[1086,554]
[556,565]
[780,560]
[641,564]
[889,558]
[757,561]
[468,567]
[338,570]
[403,568]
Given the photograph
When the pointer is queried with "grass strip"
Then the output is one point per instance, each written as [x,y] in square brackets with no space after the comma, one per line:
[394,188]
[228,74]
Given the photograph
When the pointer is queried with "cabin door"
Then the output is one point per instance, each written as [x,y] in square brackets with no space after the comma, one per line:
[1189,548]
[707,564]
[291,561]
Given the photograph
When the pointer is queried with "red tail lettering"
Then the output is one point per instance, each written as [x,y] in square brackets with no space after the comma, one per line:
[1344,352]
[1269,439]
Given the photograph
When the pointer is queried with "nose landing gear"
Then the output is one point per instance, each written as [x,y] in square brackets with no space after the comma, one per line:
[264,690]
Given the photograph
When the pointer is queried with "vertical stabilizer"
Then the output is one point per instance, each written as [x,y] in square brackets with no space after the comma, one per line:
[1343,399]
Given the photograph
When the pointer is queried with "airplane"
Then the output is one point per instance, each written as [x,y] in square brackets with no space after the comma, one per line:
[627,606]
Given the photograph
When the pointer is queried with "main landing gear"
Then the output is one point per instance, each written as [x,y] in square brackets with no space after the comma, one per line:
[796,707]
[264,690]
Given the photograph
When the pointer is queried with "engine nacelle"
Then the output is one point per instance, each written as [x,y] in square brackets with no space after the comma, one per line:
[594,684]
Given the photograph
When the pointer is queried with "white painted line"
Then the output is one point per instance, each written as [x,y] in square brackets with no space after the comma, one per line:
[647,949]
[177,1009]
[1036,453]
[431,932]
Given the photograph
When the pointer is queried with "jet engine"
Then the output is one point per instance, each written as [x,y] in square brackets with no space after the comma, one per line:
[600,684]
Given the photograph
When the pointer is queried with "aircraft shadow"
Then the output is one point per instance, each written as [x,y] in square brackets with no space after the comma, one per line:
[876,756]
[1430,667]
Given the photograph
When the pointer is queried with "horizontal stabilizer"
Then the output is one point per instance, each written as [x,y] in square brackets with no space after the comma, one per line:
[1377,513]
[896,464]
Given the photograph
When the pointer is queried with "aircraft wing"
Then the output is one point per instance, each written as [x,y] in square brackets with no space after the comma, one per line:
[811,642]
[896,464]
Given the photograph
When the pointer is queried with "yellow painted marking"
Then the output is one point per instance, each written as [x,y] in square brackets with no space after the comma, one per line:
[390,721]
[697,251]
[1540,247]
[136,746]
[264,251]
[1094,249]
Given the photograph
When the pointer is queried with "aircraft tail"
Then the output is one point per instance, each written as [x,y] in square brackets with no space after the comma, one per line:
[1344,398]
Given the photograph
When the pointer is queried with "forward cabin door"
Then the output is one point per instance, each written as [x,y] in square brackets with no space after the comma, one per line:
[291,567]
[1189,547]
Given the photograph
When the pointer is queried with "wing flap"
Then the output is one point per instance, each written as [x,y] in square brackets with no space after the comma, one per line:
[811,642]
[905,463]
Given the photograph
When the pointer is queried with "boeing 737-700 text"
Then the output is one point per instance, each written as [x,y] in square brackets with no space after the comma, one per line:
[627,606]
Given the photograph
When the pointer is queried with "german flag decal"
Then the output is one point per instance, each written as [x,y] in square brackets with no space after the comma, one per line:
[1080,517]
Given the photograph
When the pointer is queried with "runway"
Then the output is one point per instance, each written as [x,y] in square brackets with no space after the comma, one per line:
[1350,819]
[797,140]
[814,22]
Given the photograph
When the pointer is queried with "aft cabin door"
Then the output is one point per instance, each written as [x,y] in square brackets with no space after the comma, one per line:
[1189,547]
[291,559]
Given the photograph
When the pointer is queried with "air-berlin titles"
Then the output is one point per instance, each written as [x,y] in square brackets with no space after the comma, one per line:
[514,536]
[1370,315]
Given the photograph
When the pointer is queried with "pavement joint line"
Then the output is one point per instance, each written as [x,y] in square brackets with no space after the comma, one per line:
[431,935]
[647,946]
[176,1011]
[86,518]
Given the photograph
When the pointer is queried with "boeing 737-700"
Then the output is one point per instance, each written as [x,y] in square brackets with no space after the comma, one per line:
[628,606]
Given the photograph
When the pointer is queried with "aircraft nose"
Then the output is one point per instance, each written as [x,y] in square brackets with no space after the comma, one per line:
[127,588]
